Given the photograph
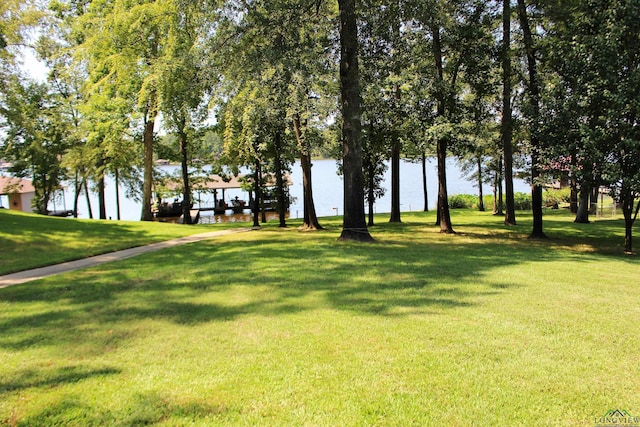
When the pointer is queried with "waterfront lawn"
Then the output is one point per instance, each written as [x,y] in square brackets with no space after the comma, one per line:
[278,327]
[30,241]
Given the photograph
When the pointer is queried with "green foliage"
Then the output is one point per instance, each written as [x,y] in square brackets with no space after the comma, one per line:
[551,198]
[463,201]
[36,137]
[554,197]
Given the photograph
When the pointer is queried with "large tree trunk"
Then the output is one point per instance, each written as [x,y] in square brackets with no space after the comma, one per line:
[534,95]
[310,217]
[424,182]
[443,198]
[354,226]
[395,137]
[443,216]
[506,128]
[186,187]
[582,216]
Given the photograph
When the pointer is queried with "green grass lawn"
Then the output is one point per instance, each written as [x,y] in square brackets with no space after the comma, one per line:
[30,241]
[279,327]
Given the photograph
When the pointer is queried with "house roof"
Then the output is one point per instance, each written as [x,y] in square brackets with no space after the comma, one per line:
[11,185]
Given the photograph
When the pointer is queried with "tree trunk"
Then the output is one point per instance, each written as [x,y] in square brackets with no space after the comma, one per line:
[102,205]
[371,198]
[76,196]
[354,226]
[282,203]
[506,128]
[424,182]
[498,204]
[258,194]
[628,202]
[444,217]
[186,187]
[443,198]
[147,185]
[534,95]
[88,198]
[395,136]
[593,206]
[41,200]
[573,199]
[117,184]
[310,217]
[582,216]
[628,236]
[395,179]
[480,193]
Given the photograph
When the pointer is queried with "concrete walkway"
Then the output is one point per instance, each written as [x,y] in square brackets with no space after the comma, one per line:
[39,273]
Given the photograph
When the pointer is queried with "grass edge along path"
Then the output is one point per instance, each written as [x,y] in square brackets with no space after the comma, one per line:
[29,241]
[51,270]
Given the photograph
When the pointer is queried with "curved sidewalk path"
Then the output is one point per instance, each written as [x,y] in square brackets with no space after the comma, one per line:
[39,273]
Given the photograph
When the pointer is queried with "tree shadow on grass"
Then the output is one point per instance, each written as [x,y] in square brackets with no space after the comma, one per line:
[600,236]
[142,409]
[276,273]
[48,377]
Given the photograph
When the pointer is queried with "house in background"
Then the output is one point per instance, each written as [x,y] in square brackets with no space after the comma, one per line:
[19,193]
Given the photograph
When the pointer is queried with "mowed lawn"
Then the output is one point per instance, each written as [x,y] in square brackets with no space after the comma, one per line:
[31,241]
[280,327]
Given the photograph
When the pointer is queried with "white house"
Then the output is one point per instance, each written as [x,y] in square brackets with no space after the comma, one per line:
[20,193]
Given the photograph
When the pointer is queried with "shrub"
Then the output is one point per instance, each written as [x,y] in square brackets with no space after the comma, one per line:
[463,201]
[522,201]
[554,197]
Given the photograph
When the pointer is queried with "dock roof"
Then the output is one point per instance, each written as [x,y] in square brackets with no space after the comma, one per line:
[217,182]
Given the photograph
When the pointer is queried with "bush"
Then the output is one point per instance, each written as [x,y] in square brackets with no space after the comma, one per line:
[463,201]
[553,197]
[522,201]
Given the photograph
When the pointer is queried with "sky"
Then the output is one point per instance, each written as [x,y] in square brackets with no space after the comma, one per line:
[33,67]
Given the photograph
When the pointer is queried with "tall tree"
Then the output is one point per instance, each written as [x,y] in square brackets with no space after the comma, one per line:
[35,138]
[121,42]
[506,129]
[444,217]
[183,82]
[354,226]
[533,89]
[592,105]
[283,49]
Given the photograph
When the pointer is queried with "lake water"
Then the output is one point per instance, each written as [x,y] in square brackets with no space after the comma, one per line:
[327,191]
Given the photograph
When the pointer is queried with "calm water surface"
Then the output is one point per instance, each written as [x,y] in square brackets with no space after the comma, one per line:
[327,191]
